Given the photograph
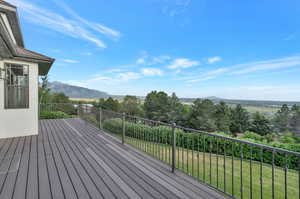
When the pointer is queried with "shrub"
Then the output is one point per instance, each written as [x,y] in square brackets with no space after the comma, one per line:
[270,137]
[207,143]
[53,115]
[254,136]
[287,137]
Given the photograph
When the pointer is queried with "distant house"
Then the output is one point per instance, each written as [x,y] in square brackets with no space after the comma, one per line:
[19,71]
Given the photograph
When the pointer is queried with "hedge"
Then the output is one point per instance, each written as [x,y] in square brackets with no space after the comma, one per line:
[205,143]
[53,115]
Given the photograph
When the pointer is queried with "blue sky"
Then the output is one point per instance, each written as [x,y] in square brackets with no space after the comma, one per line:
[196,48]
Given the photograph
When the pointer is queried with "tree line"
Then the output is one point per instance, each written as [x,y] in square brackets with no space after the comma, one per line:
[205,115]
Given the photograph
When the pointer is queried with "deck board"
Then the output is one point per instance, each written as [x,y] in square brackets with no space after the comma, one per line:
[55,182]
[188,187]
[72,159]
[127,175]
[7,188]
[101,179]
[21,181]
[32,182]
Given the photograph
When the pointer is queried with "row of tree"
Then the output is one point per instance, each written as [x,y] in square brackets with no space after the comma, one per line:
[205,115]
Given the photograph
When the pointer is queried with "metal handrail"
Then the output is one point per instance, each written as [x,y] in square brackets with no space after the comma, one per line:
[213,135]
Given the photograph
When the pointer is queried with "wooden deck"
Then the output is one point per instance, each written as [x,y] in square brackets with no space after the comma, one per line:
[71,159]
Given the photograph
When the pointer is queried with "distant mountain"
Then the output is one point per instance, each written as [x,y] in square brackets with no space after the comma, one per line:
[76,91]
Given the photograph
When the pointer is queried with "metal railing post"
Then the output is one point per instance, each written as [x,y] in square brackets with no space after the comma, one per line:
[173,147]
[100,118]
[123,128]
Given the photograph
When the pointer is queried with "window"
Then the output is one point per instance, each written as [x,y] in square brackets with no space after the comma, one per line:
[16,86]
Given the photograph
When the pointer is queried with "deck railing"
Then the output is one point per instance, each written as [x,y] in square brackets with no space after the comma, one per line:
[238,168]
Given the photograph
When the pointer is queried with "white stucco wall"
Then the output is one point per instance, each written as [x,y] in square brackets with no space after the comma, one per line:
[20,122]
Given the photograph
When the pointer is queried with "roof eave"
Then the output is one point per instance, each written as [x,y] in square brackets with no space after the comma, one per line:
[44,65]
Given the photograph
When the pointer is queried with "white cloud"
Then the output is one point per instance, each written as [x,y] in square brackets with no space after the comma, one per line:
[160,59]
[152,72]
[242,69]
[128,76]
[106,30]
[215,59]
[209,75]
[140,60]
[149,60]
[115,70]
[268,65]
[96,26]
[183,63]
[71,61]
[74,26]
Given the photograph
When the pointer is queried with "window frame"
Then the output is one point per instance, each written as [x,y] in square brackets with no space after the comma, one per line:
[6,64]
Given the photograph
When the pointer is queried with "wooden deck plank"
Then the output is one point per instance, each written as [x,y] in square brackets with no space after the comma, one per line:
[32,179]
[72,159]
[4,150]
[101,173]
[182,178]
[2,143]
[21,182]
[81,176]
[68,188]
[6,162]
[54,180]
[158,178]
[9,182]
[104,160]
[101,180]
[155,189]
[187,183]
[44,183]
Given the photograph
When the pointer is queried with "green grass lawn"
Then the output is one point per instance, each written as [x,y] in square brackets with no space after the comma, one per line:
[209,168]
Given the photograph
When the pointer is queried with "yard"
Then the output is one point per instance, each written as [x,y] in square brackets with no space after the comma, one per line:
[209,168]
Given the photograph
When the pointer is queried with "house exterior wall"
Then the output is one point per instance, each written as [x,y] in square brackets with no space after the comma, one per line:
[20,122]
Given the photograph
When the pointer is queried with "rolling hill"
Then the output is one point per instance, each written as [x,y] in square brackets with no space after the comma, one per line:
[76,91]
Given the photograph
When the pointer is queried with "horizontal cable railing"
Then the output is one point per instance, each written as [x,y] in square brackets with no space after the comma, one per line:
[238,168]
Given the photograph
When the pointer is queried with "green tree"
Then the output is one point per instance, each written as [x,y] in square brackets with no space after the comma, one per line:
[177,112]
[222,117]
[100,103]
[157,106]
[239,120]
[111,104]
[130,105]
[295,108]
[202,115]
[294,122]
[260,124]
[282,118]
[59,98]
[44,91]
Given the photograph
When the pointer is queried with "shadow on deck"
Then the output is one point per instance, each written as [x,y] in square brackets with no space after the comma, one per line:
[72,159]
